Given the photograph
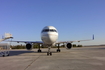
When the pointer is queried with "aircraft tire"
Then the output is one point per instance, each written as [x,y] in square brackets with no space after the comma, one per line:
[58,50]
[50,53]
[39,51]
[47,53]
[3,55]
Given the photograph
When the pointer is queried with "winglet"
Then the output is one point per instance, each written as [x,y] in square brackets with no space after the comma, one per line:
[93,36]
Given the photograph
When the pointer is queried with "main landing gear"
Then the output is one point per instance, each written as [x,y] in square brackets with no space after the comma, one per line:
[39,50]
[58,50]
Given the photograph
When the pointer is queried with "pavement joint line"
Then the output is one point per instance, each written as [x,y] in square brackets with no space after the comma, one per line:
[31,63]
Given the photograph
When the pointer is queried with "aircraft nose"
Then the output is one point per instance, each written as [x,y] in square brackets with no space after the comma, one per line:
[49,38]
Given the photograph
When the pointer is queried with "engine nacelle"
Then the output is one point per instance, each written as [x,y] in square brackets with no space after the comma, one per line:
[68,45]
[29,46]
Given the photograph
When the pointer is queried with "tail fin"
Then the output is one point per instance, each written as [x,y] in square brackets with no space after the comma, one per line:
[93,37]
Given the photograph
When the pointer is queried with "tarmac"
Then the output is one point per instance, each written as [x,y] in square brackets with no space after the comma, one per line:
[84,58]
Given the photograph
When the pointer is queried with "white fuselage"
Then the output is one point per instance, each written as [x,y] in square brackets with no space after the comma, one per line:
[49,35]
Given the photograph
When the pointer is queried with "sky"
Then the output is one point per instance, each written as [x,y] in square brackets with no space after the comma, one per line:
[74,19]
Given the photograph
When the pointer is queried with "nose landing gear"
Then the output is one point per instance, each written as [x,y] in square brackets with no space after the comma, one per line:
[49,53]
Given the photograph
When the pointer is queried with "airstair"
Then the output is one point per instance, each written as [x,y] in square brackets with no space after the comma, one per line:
[4,49]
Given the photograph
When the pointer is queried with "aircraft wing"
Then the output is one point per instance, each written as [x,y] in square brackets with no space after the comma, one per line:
[39,42]
[74,41]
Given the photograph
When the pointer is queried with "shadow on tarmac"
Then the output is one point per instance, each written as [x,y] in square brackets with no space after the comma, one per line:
[19,52]
[14,53]
[89,48]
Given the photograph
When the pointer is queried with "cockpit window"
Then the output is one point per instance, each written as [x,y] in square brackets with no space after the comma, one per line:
[46,30]
[49,30]
[52,30]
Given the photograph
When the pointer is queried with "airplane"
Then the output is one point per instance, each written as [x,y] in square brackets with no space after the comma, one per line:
[49,36]
[6,36]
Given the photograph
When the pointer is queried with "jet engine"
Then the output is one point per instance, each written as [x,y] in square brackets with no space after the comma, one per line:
[29,46]
[68,45]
